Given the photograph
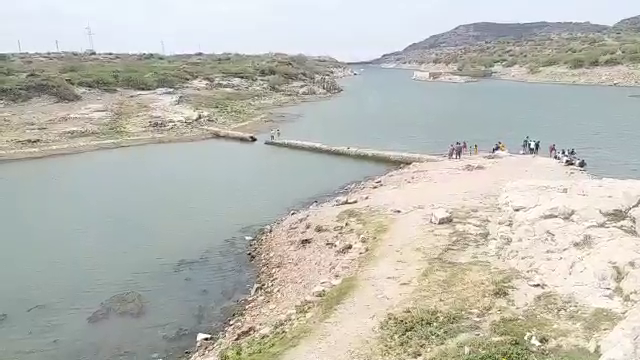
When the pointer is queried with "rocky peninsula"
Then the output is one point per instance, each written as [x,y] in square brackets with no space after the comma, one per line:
[59,103]
[483,258]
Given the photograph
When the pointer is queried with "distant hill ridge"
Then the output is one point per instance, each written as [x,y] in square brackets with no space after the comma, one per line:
[483,33]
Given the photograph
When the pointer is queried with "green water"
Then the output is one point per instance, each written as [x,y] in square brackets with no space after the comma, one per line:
[170,221]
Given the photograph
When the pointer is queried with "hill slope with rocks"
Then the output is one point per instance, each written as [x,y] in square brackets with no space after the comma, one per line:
[527,49]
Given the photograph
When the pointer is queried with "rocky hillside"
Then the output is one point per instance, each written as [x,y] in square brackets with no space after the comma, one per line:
[483,45]
[628,24]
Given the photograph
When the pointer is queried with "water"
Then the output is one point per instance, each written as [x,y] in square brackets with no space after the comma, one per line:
[169,220]
[78,229]
[384,109]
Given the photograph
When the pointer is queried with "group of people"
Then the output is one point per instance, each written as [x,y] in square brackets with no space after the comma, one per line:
[275,134]
[456,151]
[530,146]
[500,146]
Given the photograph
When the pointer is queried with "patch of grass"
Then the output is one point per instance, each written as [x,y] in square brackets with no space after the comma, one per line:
[413,331]
[601,319]
[465,286]
[370,223]
[509,348]
[280,340]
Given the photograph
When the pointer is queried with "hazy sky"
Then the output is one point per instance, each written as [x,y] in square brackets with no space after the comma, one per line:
[346,29]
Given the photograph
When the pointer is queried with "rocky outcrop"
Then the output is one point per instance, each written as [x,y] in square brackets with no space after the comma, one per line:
[628,24]
[129,303]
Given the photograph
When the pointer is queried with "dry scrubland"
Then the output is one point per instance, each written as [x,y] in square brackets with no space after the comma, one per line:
[530,260]
[68,102]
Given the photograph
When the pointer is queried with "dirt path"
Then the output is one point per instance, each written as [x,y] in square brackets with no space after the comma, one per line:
[388,280]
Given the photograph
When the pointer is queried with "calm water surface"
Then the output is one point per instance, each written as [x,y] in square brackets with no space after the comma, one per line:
[385,109]
[169,221]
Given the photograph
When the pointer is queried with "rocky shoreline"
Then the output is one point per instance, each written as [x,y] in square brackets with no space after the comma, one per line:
[314,260]
[44,127]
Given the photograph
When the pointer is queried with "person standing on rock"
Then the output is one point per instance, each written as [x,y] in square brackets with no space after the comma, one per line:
[552,151]
[464,146]
[278,133]
[525,145]
[458,150]
[475,149]
[537,147]
[273,134]
[451,150]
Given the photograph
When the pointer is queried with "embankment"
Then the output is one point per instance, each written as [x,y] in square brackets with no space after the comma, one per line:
[81,147]
[450,260]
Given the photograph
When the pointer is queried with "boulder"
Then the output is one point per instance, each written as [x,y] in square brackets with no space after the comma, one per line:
[345,201]
[441,216]
[318,291]
[129,303]
[623,342]
[202,337]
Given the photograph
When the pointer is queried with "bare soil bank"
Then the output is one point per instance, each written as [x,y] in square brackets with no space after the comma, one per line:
[104,120]
[526,260]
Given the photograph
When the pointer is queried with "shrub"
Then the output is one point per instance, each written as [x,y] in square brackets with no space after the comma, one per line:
[275,81]
[576,62]
[610,60]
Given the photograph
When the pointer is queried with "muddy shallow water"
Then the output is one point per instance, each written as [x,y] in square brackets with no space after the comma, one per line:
[170,221]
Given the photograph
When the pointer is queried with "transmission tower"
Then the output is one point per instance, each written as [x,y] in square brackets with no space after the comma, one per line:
[90,36]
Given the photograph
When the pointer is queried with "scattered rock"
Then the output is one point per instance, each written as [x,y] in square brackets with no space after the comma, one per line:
[177,335]
[3,317]
[318,291]
[305,241]
[396,211]
[441,216]
[345,248]
[247,331]
[254,289]
[264,332]
[128,303]
[537,282]
[203,337]
[320,228]
[345,201]
[336,282]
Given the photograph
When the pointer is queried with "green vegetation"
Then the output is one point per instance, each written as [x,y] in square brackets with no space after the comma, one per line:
[464,311]
[275,344]
[25,76]
[573,51]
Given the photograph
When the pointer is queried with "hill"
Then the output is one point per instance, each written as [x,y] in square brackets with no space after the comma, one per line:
[540,44]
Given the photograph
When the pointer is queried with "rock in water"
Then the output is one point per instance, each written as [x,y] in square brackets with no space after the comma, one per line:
[3,317]
[441,216]
[129,303]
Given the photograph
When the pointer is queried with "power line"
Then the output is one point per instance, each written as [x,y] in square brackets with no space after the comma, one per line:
[57,46]
[90,36]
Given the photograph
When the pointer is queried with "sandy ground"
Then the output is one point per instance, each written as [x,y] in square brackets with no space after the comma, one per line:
[553,226]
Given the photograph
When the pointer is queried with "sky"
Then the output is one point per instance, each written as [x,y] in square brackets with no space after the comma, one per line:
[349,30]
